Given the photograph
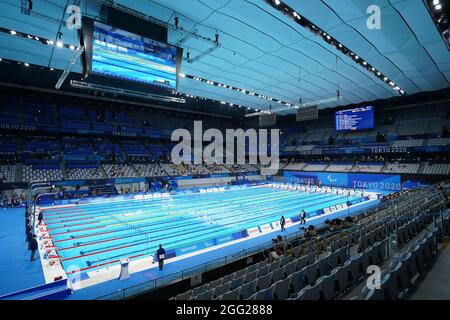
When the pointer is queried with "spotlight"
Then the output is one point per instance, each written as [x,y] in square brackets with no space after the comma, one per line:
[36,38]
[356,57]
[435,2]
[59,44]
[438,7]
[1,59]
[26,64]
[51,69]
[72,47]
[277,2]
[364,63]
[13,32]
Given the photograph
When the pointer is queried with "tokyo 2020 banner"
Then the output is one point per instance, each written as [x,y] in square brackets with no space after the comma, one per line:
[348,180]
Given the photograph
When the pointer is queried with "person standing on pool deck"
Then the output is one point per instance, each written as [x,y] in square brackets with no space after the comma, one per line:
[282,223]
[303,216]
[40,217]
[33,247]
[161,255]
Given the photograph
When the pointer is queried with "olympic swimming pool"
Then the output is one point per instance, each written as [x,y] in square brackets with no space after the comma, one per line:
[95,235]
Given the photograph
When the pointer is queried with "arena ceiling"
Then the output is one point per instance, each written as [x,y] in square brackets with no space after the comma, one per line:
[263,50]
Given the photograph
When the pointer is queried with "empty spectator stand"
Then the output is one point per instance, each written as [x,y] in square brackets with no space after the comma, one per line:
[372,167]
[120,170]
[401,168]
[149,170]
[315,166]
[48,170]
[7,173]
[77,171]
[340,167]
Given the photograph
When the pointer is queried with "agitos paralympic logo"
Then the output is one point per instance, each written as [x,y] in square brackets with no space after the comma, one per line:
[190,150]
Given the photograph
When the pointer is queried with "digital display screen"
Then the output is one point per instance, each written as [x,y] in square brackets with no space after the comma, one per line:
[125,55]
[355,119]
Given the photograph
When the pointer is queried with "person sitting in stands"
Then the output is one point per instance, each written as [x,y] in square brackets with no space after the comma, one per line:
[310,232]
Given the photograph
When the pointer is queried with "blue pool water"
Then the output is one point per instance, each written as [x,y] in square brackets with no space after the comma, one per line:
[99,234]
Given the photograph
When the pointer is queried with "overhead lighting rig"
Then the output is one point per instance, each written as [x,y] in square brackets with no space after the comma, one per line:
[440,13]
[307,24]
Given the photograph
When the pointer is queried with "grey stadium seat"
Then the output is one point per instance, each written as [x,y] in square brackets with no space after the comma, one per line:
[277,275]
[265,294]
[250,276]
[280,290]
[230,295]
[236,283]
[296,281]
[289,269]
[264,282]
[184,296]
[247,290]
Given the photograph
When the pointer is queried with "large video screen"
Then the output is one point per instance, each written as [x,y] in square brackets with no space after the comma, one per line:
[125,55]
[355,119]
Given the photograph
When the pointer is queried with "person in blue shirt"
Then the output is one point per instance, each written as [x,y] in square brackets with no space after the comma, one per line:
[161,255]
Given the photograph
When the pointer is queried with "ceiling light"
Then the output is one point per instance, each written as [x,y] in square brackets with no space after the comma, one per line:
[59,44]
[364,63]
[435,2]
[277,2]
[1,59]
[438,7]
[26,64]
[72,47]
[356,57]
[13,32]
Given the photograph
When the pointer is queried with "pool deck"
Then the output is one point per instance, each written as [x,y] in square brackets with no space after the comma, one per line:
[17,272]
